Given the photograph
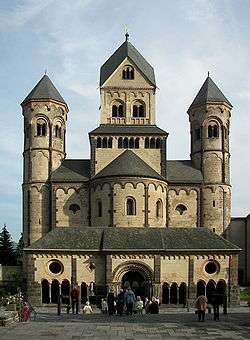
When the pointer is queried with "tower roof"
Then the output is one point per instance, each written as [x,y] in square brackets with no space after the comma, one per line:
[124,51]
[209,92]
[128,164]
[44,90]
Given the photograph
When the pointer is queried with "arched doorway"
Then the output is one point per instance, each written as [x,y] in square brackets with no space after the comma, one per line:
[84,292]
[210,289]
[173,293]
[136,281]
[45,291]
[221,287]
[54,291]
[65,290]
[182,293]
[201,288]
[165,293]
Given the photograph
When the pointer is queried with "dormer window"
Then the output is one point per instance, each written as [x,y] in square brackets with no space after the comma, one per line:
[128,72]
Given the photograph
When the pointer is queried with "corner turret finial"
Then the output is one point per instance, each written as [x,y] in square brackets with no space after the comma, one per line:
[208,73]
[45,72]
[126,34]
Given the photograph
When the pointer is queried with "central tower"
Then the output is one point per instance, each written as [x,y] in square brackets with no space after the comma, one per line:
[127,88]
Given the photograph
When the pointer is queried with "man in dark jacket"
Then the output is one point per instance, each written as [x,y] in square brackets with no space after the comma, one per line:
[120,302]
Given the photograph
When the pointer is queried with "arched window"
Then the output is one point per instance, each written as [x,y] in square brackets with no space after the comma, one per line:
[152,143]
[58,131]
[138,109]
[54,291]
[45,291]
[183,294]
[65,291]
[104,142]
[181,208]
[110,142]
[159,208]
[99,142]
[84,292]
[74,208]
[128,72]
[173,293]
[99,208]
[120,111]
[165,293]
[146,143]
[130,205]
[120,143]
[213,131]
[201,288]
[131,143]
[158,143]
[41,128]
[114,111]
[125,143]
[137,142]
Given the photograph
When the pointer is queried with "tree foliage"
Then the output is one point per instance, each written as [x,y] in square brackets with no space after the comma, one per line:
[7,248]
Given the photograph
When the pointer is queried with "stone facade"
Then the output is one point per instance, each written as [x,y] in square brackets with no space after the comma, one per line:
[141,198]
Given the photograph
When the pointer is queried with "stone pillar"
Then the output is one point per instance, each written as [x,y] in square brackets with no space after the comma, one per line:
[109,271]
[191,284]
[146,196]
[177,297]
[73,271]
[233,287]
[157,277]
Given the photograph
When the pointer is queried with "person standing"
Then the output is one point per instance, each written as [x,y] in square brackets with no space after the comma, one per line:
[129,298]
[120,302]
[75,299]
[138,305]
[153,307]
[111,302]
[201,305]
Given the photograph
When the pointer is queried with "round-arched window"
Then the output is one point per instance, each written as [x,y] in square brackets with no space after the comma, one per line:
[55,267]
[211,267]
[181,208]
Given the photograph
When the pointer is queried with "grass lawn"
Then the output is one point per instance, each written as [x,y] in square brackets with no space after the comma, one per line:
[245,294]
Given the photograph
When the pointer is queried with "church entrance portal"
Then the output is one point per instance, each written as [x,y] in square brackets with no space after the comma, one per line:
[137,282]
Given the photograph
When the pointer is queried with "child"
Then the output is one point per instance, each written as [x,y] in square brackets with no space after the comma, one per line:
[87,309]
[104,306]
[138,305]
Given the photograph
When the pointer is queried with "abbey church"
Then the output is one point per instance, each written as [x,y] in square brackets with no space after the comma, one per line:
[127,215]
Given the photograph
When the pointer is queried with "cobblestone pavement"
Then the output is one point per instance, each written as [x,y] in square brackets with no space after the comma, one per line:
[170,324]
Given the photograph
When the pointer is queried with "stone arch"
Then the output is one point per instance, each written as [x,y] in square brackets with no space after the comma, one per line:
[201,288]
[128,266]
[45,291]
[165,293]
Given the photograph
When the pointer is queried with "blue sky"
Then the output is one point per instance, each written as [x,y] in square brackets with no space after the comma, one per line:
[71,39]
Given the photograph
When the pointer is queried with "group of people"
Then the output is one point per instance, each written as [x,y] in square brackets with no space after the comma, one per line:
[201,305]
[127,302]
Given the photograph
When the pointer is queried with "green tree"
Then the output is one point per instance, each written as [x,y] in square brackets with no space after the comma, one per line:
[19,250]
[7,248]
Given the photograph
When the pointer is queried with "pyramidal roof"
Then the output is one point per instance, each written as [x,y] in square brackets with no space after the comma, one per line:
[128,164]
[44,90]
[124,51]
[209,92]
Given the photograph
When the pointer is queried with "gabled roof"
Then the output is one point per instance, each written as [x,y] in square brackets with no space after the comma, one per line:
[179,171]
[169,240]
[72,170]
[126,50]
[128,164]
[128,129]
[44,90]
[208,93]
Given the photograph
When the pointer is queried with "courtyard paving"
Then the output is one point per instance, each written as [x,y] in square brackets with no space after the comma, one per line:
[169,324]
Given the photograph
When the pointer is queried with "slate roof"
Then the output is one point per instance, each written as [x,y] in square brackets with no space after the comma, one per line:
[128,164]
[179,171]
[128,129]
[72,170]
[44,90]
[209,92]
[133,239]
[124,51]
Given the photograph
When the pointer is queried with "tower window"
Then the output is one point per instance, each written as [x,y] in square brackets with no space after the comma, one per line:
[74,208]
[128,72]
[125,143]
[99,208]
[146,143]
[181,208]
[197,134]
[120,143]
[41,128]
[58,131]
[159,209]
[130,205]
[104,143]
[99,142]
[158,143]
[137,142]
[138,109]
[152,143]
[118,109]
[110,142]
[131,143]
[213,131]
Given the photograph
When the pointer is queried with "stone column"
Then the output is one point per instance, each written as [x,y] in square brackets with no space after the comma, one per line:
[146,196]
[191,284]
[109,271]
[233,287]
[111,212]
[157,277]
[73,271]
[49,292]
[177,297]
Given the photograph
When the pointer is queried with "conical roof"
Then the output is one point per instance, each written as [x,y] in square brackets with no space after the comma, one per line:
[128,164]
[124,51]
[44,90]
[209,92]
